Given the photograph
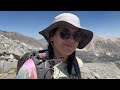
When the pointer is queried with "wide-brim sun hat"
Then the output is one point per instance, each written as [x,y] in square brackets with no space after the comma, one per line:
[68,19]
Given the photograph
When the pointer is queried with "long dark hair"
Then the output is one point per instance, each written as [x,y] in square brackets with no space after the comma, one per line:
[70,58]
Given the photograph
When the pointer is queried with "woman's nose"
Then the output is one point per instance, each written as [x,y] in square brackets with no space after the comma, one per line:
[71,39]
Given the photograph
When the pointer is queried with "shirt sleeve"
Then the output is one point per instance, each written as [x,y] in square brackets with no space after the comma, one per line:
[27,71]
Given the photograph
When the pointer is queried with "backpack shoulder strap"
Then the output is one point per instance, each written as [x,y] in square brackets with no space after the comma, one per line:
[37,56]
[39,59]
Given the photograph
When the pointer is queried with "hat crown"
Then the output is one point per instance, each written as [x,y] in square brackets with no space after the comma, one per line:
[68,17]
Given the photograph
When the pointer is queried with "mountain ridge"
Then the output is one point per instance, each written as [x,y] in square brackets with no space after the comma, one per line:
[21,37]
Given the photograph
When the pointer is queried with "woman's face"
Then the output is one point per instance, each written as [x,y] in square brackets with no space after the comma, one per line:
[64,47]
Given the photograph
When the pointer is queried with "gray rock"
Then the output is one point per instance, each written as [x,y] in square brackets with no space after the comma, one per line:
[100,71]
[5,66]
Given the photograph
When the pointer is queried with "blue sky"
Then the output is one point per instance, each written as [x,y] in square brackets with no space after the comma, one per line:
[29,23]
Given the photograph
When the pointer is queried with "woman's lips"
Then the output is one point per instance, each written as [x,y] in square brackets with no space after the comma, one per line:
[68,45]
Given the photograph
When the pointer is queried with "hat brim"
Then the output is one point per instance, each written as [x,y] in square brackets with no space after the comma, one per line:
[88,35]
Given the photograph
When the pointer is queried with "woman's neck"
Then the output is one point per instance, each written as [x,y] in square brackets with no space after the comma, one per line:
[59,56]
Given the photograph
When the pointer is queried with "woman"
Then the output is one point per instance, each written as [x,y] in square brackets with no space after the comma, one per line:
[64,35]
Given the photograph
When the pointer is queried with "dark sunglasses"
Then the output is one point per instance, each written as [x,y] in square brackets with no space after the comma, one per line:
[65,34]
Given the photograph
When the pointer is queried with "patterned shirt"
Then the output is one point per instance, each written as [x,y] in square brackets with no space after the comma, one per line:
[27,71]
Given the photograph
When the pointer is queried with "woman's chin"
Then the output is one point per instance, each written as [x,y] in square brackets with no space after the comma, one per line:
[67,53]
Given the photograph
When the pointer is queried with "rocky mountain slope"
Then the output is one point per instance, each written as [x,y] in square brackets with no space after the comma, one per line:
[101,58]
[101,49]
[21,38]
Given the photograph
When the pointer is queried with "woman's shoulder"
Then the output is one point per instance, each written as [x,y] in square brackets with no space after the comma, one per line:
[29,64]
[27,71]
[80,62]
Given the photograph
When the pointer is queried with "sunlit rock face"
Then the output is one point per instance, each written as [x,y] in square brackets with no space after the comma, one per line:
[101,49]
